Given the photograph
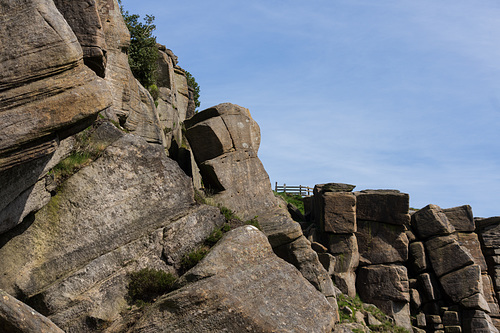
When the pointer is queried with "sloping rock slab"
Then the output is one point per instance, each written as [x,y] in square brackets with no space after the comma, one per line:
[241,286]
[96,212]
[16,316]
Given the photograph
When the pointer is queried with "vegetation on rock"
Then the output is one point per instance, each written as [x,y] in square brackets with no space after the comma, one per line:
[293,199]
[196,88]
[356,305]
[142,52]
[147,284]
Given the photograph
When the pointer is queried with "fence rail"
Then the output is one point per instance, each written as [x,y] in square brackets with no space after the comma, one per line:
[294,189]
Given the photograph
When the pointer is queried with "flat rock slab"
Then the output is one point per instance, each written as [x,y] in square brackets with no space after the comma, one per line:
[338,212]
[462,283]
[383,282]
[240,286]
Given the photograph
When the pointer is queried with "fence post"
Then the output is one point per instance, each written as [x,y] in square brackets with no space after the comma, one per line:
[284,188]
[276,187]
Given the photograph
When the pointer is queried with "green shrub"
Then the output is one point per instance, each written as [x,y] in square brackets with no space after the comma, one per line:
[147,284]
[214,237]
[142,52]
[228,213]
[154,91]
[253,222]
[192,258]
[193,84]
[293,199]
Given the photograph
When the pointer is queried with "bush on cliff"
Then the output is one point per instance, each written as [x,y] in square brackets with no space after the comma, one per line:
[147,284]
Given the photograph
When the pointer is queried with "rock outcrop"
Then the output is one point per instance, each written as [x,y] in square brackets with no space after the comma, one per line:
[87,201]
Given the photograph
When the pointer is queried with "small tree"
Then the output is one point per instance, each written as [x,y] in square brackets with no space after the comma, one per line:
[142,53]
[193,84]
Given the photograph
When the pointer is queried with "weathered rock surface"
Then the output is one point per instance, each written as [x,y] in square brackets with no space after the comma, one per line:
[387,287]
[462,283]
[16,316]
[46,95]
[381,243]
[470,242]
[337,212]
[417,257]
[232,289]
[50,85]
[461,218]
[95,230]
[441,249]
[173,98]
[225,141]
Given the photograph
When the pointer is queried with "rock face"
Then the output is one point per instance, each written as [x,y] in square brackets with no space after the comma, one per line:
[46,95]
[84,20]
[232,290]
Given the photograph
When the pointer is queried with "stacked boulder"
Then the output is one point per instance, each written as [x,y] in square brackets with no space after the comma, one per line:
[448,264]
[366,234]
[382,217]
[335,213]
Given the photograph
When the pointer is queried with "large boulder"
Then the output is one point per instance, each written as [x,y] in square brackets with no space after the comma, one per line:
[173,97]
[431,221]
[337,212]
[441,249]
[387,287]
[15,316]
[225,141]
[462,283]
[461,218]
[46,95]
[240,286]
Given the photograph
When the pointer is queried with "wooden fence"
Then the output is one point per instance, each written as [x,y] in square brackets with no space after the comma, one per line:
[294,189]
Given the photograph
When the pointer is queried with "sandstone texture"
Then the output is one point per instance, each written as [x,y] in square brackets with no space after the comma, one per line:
[46,95]
[99,181]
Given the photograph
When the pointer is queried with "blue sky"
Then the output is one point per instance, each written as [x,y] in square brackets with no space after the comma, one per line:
[387,94]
